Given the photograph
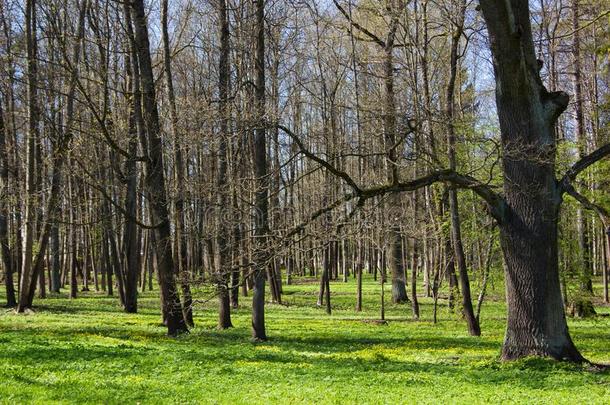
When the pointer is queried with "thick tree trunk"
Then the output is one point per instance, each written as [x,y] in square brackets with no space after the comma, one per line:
[536,322]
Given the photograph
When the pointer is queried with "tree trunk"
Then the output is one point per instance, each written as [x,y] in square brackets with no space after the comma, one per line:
[182,255]
[27,278]
[456,233]
[131,251]
[155,179]
[261,250]
[606,270]
[414,301]
[527,112]
[225,265]
[395,247]
[582,225]
[5,251]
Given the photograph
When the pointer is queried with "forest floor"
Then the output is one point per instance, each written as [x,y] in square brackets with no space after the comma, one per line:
[88,351]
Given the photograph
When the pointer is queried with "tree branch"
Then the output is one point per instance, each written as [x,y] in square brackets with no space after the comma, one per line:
[603,213]
[582,165]
[494,201]
[337,172]
[359,27]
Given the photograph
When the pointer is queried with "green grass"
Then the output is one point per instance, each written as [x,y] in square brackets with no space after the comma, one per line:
[87,350]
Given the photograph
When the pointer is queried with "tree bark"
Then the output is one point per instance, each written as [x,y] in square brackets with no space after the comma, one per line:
[527,112]
[7,258]
[456,233]
[182,255]
[27,270]
[155,179]
[261,253]
[225,265]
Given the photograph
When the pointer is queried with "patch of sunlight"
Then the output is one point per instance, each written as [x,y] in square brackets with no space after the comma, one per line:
[108,341]
[272,349]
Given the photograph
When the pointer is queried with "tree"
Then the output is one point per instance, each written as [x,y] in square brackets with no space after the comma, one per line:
[528,212]
[261,205]
[5,251]
[33,134]
[393,142]
[181,258]
[155,179]
[456,232]
[224,73]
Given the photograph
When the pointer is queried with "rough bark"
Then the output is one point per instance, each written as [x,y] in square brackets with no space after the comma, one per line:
[527,112]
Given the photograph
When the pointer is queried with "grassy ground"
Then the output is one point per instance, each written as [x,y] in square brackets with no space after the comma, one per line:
[87,350]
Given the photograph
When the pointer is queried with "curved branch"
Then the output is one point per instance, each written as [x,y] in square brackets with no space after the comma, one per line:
[315,215]
[109,198]
[603,213]
[582,165]
[332,169]
[359,27]
[494,201]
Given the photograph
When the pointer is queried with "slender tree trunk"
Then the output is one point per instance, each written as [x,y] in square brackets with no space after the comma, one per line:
[606,271]
[261,250]
[131,248]
[414,301]
[359,276]
[182,255]
[31,269]
[31,140]
[7,259]
[155,179]
[56,258]
[584,306]
[225,265]
[456,232]
[395,247]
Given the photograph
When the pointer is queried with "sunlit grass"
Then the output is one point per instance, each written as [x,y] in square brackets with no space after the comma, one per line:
[87,350]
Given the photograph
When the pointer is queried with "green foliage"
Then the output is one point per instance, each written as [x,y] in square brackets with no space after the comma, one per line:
[86,350]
